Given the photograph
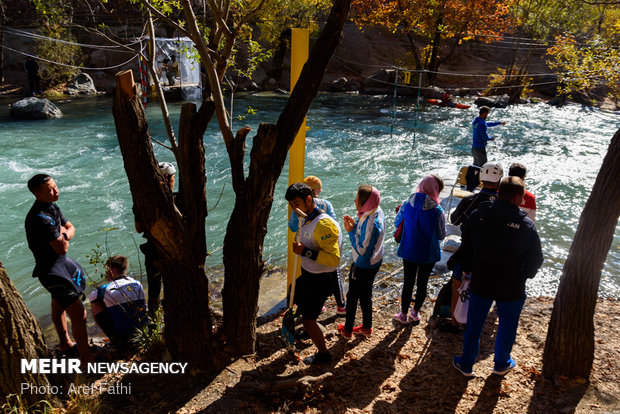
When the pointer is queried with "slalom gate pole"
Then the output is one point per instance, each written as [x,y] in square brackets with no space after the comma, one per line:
[394,103]
[417,106]
[300,45]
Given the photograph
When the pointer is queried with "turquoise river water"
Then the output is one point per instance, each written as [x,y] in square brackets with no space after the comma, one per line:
[349,143]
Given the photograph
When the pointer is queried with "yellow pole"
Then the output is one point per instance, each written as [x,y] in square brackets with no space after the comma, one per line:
[300,40]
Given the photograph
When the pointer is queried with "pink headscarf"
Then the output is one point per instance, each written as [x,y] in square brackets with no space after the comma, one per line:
[430,187]
[371,203]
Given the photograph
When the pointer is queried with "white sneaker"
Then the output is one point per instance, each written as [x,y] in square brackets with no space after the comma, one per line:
[413,316]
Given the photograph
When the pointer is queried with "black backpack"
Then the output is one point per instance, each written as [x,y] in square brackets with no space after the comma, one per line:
[443,304]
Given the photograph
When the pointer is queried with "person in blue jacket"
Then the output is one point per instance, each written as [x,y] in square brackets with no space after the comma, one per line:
[366,235]
[293,224]
[424,228]
[501,250]
[479,144]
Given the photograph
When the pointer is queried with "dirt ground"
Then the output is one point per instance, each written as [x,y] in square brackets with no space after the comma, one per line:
[398,369]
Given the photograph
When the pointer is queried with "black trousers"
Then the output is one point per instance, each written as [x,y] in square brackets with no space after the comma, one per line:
[360,288]
[33,82]
[422,271]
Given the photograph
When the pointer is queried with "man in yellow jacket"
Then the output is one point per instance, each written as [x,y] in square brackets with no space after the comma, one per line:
[319,247]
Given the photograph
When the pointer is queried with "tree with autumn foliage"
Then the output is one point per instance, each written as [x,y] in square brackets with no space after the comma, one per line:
[434,28]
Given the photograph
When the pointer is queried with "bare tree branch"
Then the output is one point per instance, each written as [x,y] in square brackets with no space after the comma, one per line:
[217,14]
[245,19]
[162,16]
[214,83]
[160,93]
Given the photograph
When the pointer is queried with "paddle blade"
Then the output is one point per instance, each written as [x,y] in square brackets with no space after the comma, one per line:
[288,326]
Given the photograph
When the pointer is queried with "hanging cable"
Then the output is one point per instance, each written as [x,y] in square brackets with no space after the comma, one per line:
[18,32]
[67,65]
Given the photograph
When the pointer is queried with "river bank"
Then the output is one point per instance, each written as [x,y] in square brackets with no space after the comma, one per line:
[397,369]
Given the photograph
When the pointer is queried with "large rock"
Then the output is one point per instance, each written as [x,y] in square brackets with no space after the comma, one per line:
[103,81]
[500,101]
[82,85]
[339,85]
[382,79]
[451,243]
[35,108]
[271,84]
[433,92]
[462,92]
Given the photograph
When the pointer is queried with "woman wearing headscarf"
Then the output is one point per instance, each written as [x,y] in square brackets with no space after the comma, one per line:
[423,229]
[366,234]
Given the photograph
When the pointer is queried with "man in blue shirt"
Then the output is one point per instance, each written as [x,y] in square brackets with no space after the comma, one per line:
[479,144]
[48,233]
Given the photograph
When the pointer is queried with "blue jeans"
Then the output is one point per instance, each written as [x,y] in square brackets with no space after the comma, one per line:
[508,314]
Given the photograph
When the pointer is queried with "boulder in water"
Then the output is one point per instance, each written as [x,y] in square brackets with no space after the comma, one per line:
[500,101]
[35,108]
[82,85]
[451,243]
[433,92]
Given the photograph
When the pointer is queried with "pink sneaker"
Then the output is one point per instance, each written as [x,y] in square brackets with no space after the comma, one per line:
[341,310]
[358,330]
[414,316]
[343,332]
[401,318]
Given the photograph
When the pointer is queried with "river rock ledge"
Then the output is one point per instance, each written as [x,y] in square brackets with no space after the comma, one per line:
[35,108]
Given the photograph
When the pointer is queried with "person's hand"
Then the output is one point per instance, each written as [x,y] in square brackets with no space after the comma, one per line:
[298,248]
[349,223]
[503,123]
[492,139]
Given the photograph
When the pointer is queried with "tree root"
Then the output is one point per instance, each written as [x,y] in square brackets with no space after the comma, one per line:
[304,381]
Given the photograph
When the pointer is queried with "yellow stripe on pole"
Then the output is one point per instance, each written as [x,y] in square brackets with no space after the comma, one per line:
[300,40]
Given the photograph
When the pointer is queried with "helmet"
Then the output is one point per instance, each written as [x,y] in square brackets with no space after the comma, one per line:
[167,168]
[492,172]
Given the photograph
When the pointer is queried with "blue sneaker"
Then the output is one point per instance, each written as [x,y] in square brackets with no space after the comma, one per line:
[458,364]
[511,364]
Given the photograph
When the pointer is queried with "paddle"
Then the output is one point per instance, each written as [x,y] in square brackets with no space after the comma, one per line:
[288,321]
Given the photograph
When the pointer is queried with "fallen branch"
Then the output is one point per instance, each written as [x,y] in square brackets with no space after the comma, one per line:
[304,381]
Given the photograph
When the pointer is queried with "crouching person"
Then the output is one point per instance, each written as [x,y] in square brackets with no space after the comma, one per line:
[119,306]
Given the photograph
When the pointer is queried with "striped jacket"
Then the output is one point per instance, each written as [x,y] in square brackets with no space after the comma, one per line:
[367,239]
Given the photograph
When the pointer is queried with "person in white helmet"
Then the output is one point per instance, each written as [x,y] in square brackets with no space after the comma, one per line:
[150,250]
[490,175]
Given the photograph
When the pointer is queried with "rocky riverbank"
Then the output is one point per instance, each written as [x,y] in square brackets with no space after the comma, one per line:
[397,369]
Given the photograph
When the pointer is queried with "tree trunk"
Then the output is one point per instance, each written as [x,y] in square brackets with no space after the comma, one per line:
[279,55]
[433,64]
[569,348]
[243,244]
[177,231]
[21,338]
